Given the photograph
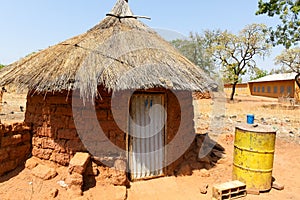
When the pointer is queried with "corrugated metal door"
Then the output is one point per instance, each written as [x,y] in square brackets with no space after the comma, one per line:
[146,141]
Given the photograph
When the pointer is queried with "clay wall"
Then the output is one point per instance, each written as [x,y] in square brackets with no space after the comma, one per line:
[15,145]
[60,122]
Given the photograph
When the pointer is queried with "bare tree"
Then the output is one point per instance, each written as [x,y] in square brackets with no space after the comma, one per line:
[236,53]
[290,58]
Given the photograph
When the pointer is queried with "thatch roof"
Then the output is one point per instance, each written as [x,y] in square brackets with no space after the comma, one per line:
[120,53]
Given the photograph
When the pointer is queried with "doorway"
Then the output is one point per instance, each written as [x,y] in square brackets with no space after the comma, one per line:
[146,135]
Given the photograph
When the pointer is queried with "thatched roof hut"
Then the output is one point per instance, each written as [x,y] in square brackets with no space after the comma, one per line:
[119,54]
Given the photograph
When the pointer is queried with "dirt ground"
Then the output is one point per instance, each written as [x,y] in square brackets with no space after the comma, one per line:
[20,184]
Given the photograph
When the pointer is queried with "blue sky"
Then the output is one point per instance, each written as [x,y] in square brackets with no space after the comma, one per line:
[31,25]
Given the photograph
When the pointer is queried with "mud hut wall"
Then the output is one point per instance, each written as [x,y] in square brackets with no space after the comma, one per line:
[15,145]
[180,128]
[55,136]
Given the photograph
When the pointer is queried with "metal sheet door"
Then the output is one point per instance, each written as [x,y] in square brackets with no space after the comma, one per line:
[146,136]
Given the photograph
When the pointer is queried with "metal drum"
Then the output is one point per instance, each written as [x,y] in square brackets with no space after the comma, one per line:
[253,157]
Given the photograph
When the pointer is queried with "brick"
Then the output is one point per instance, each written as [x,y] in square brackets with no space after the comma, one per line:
[46,110]
[74,146]
[35,99]
[60,158]
[36,141]
[38,120]
[48,143]
[19,152]
[44,172]
[69,134]
[102,115]
[63,110]
[3,155]
[11,140]
[103,104]
[26,136]
[18,127]
[28,118]
[42,153]
[74,179]
[31,163]
[229,190]
[121,140]
[107,125]
[60,146]
[60,121]
[89,113]
[57,100]
[79,163]
[31,108]
[71,124]
[7,130]
[110,115]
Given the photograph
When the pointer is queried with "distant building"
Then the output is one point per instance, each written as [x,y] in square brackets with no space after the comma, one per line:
[240,89]
[276,85]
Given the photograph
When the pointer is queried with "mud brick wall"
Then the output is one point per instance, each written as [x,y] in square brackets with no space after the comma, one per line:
[15,144]
[55,132]
[180,129]
[57,118]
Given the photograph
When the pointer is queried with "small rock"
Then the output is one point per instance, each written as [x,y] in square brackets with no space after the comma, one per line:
[53,193]
[79,163]
[74,179]
[44,172]
[253,191]
[62,184]
[31,163]
[277,186]
[203,189]
[233,116]
[204,173]
[118,178]
[75,192]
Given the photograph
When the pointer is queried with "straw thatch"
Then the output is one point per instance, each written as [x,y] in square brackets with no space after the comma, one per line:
[119,53]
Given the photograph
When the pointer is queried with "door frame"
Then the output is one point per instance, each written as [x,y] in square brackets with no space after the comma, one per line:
[128,138]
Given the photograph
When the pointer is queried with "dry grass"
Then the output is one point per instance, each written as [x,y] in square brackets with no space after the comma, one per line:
[120,53]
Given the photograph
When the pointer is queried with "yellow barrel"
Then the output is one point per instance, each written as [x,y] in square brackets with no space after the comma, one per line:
[253,156]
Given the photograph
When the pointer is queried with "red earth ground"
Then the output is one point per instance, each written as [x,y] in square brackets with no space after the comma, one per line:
[20,184]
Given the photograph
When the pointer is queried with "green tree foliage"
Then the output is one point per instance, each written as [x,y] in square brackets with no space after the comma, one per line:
[195,49]
[257,73]
[1,66]
[236,53]
[288,32]
[290,59]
